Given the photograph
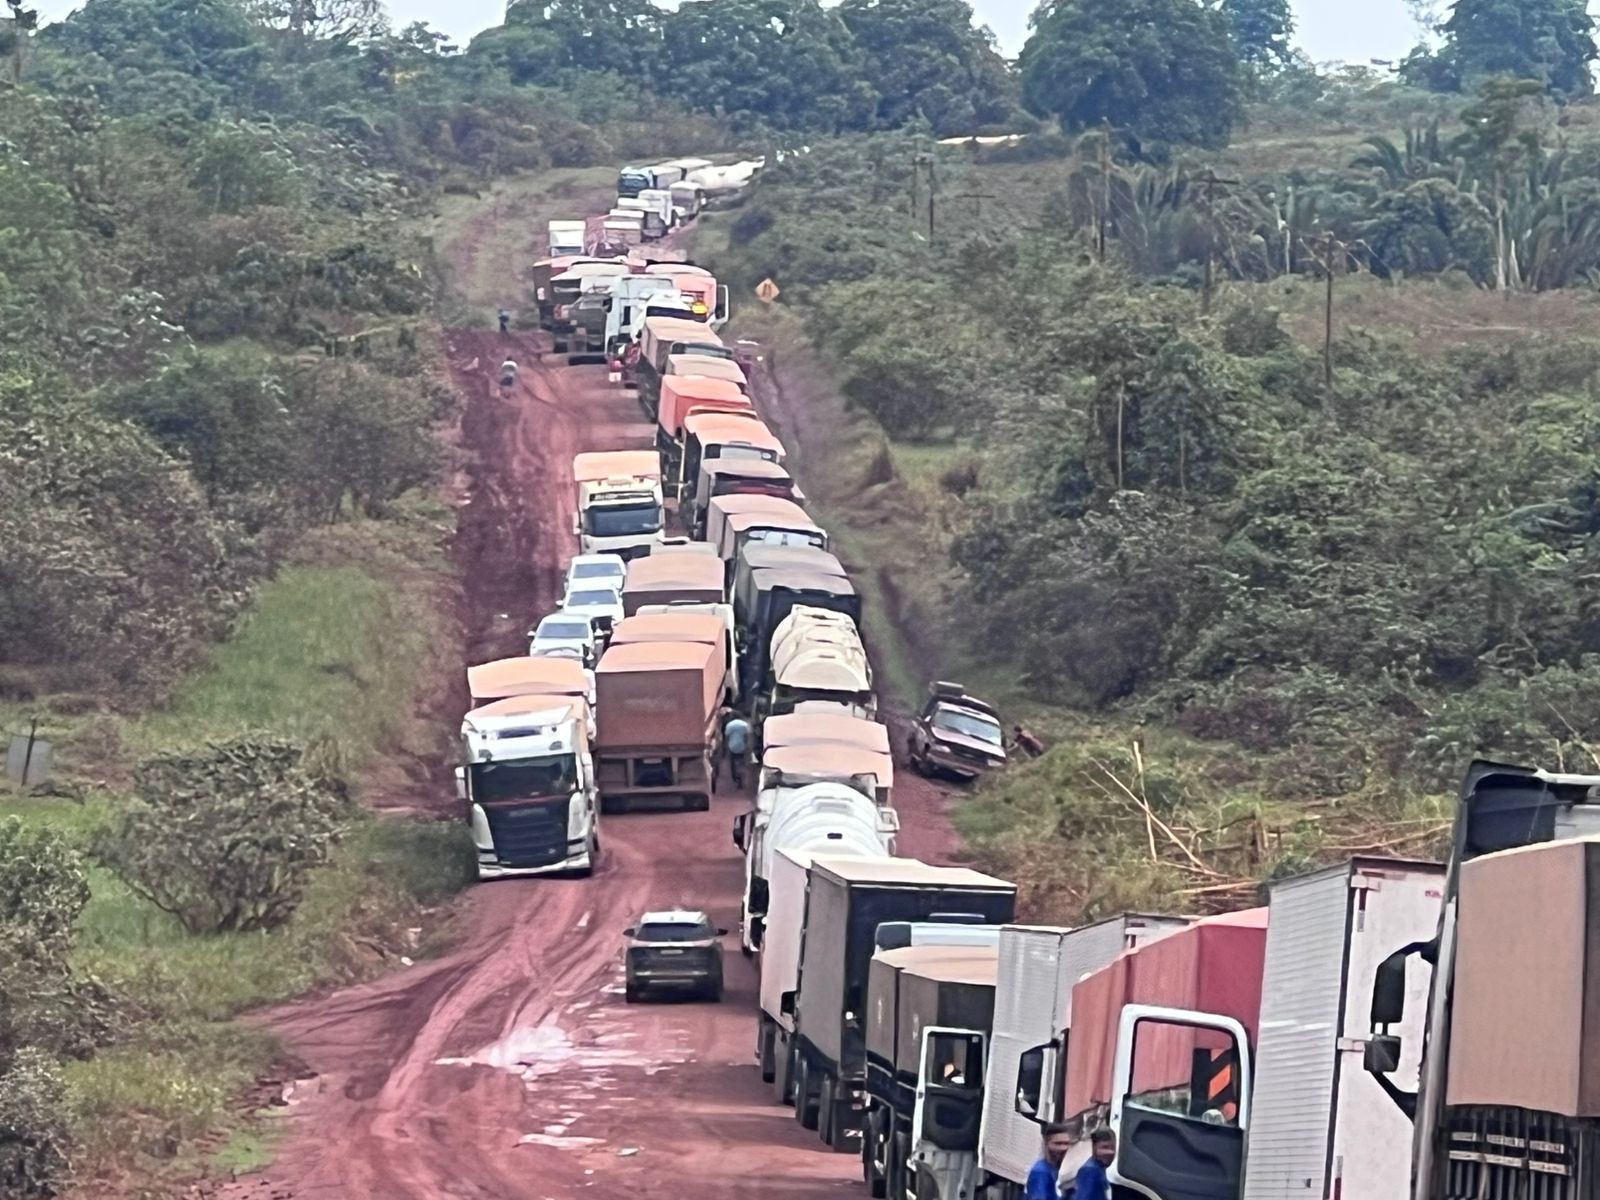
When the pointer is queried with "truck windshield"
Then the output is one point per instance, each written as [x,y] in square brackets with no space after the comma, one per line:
[631,183]
[951,720]
[620,520]
[524,779]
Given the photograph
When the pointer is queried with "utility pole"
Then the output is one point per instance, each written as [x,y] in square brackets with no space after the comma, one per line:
[1104,207]
[1208,184]
[933,191]
[1330,251]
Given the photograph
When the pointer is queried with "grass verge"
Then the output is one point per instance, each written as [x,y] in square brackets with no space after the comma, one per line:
[339,646]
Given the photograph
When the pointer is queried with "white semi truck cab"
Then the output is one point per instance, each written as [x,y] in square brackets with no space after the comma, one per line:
[620,505]
[528,779]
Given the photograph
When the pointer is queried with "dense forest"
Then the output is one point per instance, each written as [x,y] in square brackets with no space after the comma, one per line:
[1167,503]
[219,335]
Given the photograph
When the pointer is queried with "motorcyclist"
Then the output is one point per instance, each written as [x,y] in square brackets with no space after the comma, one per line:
[508,374]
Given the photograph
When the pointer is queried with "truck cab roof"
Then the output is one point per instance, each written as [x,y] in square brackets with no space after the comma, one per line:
[501,736]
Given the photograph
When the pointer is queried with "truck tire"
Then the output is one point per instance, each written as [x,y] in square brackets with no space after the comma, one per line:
[870,1149]
[632,993]
[895,1167]
[714,989]
[782,1071]
[805,1100]
[699,803]
[826,1111]
[766,1054]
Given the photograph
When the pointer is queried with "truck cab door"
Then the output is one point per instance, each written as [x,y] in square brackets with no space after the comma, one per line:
[1180,1103]
[949,1107]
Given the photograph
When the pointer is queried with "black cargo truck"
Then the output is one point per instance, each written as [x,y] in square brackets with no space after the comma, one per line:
[846,900]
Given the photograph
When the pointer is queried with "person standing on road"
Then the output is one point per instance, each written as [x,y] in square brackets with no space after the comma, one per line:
[736,744]
[1091,1182]
[505,322]
[1042,1179]
[508,374]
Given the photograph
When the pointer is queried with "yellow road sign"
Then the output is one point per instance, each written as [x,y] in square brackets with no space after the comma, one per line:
[767,291]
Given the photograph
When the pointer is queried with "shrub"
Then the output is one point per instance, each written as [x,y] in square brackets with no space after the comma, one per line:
[33,1128]
[225,838]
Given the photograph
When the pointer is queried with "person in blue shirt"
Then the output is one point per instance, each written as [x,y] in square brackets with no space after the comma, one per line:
[1042,1179]
[736,745]
[1091,1182]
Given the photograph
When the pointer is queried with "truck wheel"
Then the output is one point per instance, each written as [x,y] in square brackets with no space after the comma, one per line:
[871,1148]
[805,1101]
[827,1112]
[714,989]
[894,1168]
[764,1052]
[699,803]
[632,993]
[782,1071]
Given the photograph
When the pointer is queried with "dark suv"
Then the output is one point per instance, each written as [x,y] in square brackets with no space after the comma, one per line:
[956,733]
[675,950]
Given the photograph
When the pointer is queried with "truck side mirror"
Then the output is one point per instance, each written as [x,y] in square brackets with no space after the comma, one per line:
[1389,991]
[786,1004]
[631,931]
[738,830]
[576,527]
[461,783]
[1381,1055]
[1030,1084]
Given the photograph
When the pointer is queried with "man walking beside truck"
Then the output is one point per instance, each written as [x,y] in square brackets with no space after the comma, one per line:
[1042,1179]
[1091,1182]
[736,745]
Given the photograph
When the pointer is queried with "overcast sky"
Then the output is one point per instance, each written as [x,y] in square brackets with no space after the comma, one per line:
[1352,30]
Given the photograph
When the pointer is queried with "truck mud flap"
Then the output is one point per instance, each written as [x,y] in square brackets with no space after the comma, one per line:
[615,804]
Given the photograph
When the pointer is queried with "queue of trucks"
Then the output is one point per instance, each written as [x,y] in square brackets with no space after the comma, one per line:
[1379,1029]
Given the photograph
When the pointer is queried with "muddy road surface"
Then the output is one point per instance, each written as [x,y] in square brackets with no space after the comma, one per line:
[512,1069]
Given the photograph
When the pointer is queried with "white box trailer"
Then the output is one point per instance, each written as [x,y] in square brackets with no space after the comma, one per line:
[1033,1008]
[1321,1126]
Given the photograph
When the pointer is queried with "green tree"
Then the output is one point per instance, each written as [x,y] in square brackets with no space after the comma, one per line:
[788,64]
[1548,40]
[225,838]
[619,36]
[1163,70]
[926,59]
[1261,29]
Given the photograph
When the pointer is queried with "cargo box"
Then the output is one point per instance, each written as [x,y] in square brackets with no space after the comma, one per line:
[657,695]
[1525,1029]
[1213,966]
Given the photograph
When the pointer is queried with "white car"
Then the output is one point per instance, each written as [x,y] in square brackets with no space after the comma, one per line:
[596,570]
[600,603]
[564,635]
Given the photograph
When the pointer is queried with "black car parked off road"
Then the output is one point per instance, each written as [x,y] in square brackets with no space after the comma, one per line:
[674,950]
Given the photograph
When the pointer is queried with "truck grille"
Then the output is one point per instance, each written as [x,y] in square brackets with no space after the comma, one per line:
[529,834]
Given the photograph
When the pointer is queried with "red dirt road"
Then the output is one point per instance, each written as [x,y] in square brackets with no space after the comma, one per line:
[512,1068]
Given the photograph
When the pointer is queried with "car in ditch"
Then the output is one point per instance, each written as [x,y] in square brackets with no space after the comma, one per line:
[674,950]
[956,734]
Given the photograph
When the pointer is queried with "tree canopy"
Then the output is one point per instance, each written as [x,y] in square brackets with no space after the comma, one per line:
[1548,40]
[1162,70]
